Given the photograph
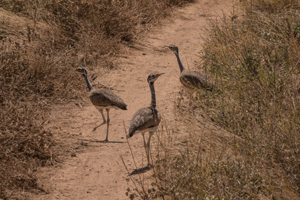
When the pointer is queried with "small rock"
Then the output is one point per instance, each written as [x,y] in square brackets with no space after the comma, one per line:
[131,196]
[73,155]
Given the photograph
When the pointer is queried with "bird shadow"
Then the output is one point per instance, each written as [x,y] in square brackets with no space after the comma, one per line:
[102,141]
[141,170]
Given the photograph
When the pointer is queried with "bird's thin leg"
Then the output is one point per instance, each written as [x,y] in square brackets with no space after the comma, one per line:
[108,120]
[189,96]
[190,99]
[148,147]
[104,121]
[145,145]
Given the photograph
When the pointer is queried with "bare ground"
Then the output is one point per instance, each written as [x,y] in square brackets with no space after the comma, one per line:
[96,171]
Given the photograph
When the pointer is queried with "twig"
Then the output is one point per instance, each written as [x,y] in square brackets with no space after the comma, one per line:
[140,179]
[129,174]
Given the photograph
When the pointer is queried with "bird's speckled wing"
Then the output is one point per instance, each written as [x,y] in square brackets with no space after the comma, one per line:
[106,97]
[144,118]
[194,79]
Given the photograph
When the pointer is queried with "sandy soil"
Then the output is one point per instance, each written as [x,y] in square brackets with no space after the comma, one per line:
[97,172]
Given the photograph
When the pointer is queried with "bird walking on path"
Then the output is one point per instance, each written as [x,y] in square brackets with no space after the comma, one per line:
[146,119]
[191,80]
[102,99]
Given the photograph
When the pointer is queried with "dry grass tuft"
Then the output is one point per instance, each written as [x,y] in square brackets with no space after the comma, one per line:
[254,60]
[270,6]
[40,42]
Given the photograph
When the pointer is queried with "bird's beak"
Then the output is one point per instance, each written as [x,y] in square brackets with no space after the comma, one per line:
[167,46]
[161,73]
[74,69]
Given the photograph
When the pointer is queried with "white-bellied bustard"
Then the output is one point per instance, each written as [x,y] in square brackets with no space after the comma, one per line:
[102,99]
[146,119]
[191,80]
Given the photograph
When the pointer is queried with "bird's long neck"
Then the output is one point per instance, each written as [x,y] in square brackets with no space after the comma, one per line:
[89,86]
[153,99]
[179,62]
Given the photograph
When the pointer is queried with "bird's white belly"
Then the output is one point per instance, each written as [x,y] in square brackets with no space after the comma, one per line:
[152,129]
[190,91]
[106,107]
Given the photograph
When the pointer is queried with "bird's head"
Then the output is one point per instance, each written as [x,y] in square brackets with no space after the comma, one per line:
[173,48]
[153,77]
[82,70]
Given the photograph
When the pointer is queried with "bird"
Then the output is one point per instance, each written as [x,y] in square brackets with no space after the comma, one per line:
[146,119]
[102,99]
[191,80]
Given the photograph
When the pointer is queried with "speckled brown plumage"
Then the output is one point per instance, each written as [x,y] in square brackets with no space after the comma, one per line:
[106,98]
[102,99]
[143,119]
[191,79]
[146,119]
[194,80]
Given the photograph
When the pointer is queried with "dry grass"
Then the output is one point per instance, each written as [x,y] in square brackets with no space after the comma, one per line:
[40,42]
[254,60]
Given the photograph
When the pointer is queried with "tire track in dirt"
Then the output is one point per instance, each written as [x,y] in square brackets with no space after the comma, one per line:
[98,172]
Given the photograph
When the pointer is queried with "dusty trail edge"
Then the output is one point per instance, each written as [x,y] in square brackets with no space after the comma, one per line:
[96,171]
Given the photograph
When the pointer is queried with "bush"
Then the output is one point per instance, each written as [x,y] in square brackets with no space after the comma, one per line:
[40,43]
[254,61]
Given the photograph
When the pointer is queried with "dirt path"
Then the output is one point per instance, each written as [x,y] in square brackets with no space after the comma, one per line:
[98,172]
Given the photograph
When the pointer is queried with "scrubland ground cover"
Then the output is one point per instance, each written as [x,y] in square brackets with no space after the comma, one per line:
[253,58]
[41,41]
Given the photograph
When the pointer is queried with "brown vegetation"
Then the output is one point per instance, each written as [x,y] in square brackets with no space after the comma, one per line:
[40,42]
[253,58]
